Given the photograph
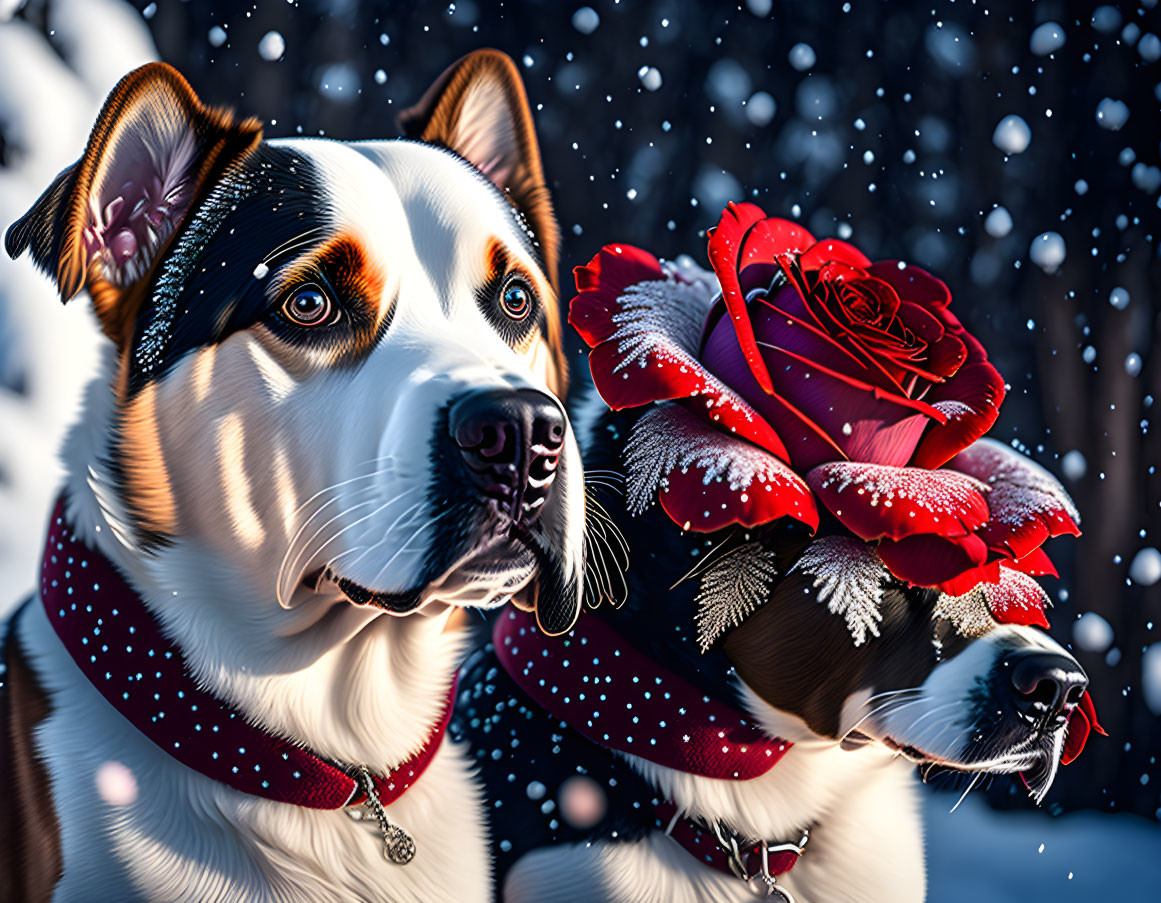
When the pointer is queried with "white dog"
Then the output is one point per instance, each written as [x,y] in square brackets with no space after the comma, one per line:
[327,423]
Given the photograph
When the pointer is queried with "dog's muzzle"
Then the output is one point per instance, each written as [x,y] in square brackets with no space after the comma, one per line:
[511,441]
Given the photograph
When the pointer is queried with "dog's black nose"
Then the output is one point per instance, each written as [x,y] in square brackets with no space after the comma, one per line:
[1047,685]
[511,440]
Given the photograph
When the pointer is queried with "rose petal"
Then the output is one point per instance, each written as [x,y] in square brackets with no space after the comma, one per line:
[930,560]
[1076,733]
[1081,722]
[971,401]
[919,321]
[824,414]
[771,238]
[912,283]
[601,282]
[831,250]
[875,501]
[964,583]
[946,356]
[1036,564]
[707,478]
[1016,598]
[1027,503]
[651,353]
[724,247]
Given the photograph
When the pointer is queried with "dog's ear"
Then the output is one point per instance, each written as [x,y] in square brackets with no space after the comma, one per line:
[105,221]
[479,110]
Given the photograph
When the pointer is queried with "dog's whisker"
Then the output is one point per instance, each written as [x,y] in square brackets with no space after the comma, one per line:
[383,506]
[430,523]
[289,576]
[295,551]
[409,513]
[891,705]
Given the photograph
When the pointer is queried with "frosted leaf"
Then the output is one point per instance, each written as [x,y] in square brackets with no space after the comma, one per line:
[969,614]
[732,590]
[849,578]
[670,438]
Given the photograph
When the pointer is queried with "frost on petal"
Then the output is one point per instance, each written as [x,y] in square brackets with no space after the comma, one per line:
[707,478]
[651,355]
[1016,599]
[732,590]
[849,578]
[1027,503]
[876,500]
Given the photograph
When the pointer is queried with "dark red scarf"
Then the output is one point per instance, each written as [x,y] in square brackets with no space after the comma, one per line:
[619,698]
[120,647]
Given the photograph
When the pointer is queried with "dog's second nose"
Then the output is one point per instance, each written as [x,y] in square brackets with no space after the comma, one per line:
[511,441]
[1047,685]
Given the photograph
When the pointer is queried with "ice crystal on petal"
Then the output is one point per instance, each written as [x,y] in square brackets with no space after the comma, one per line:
[977,611]
[1021,488]
[732,590]
[1016,590]
[849,578]
[660,324]
[661,320]
[669,438]
[948,494]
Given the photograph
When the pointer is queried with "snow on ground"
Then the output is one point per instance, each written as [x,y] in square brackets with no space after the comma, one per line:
[977,854]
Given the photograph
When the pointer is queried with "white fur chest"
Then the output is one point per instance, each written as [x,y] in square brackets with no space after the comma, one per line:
[137,825]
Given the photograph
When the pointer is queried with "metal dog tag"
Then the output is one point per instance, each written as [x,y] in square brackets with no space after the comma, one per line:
[398,845]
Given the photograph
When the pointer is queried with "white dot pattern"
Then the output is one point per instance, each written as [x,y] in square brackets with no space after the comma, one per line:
[117,644]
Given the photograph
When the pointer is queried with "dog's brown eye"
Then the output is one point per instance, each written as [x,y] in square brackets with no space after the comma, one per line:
[517,299]
[307,307]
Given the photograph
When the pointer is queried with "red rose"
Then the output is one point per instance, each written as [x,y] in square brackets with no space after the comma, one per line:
[800,372]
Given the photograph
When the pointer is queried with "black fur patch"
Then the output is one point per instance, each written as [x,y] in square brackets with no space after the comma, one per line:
[524,756]
[206,288]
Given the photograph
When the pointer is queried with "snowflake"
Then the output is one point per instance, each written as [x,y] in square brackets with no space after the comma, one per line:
[849,578]
[731,590]
[669,438]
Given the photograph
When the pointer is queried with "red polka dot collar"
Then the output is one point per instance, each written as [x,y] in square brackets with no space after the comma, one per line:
[121,649]
[620,698]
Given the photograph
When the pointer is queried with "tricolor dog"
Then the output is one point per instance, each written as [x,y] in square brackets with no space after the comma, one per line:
[626,764]
[328,423]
